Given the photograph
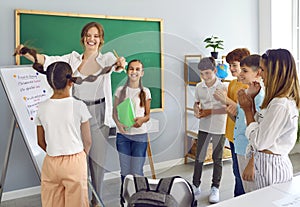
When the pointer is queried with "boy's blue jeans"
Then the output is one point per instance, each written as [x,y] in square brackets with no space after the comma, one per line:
[238,186]
[132,153]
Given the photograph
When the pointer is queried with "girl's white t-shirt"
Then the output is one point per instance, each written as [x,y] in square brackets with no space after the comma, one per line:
[133,94]
[61,120]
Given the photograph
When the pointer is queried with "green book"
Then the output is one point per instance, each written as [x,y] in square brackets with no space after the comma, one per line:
[126,113]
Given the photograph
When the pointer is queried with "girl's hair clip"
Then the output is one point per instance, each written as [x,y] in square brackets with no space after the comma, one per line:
[73,79]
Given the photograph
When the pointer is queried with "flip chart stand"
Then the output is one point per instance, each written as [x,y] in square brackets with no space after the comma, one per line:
[7,155]
[95,194]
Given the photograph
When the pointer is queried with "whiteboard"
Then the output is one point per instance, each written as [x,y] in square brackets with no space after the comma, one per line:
[25,89]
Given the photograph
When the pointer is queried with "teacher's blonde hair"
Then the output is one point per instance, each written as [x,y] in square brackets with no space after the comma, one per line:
[281,76]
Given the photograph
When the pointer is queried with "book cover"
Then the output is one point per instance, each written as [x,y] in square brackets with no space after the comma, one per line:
[126,112]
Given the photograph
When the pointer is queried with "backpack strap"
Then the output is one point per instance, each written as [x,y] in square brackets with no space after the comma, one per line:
[194,202]
[141,183]
[165,184]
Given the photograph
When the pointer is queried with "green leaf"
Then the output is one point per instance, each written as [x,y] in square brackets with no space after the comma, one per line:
[214,42]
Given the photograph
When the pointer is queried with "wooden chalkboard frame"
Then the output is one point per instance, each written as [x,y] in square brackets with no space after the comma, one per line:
[153,60]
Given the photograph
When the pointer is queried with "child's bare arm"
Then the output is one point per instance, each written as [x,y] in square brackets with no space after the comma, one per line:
[248,173]
[231,111]
[86,136]
[41,137]
[208,112]
[219,111]
[246,103]
[140,120]
[197,108]
[120,126]
[220,95]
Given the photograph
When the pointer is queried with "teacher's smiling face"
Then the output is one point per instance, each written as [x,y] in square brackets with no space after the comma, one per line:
[92,39]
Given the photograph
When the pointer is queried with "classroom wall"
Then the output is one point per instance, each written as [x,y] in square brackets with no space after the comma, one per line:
[186,24]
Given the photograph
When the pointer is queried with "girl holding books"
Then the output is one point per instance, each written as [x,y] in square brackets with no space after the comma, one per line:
[131,141]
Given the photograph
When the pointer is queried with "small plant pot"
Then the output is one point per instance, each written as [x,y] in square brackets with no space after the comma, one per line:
[214,55]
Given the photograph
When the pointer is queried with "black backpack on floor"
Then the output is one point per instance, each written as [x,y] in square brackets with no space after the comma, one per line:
[160,197]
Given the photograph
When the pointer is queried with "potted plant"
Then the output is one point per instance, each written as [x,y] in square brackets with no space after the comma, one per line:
[215,43]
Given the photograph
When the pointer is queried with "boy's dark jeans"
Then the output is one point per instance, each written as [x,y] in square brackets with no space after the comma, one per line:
[218,141]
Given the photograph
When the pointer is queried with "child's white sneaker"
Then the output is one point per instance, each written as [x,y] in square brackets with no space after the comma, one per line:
[197,192]
[214,195]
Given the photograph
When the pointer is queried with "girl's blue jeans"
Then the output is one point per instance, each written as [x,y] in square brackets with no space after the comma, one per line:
[132,153]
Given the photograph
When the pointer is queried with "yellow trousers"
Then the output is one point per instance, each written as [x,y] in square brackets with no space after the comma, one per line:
[64,181]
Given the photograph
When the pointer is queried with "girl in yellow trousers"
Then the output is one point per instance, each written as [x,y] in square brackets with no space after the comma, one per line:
[63,132]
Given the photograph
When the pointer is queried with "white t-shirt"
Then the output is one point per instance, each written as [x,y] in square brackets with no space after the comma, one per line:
[133,94]
[61,120]
[214,123]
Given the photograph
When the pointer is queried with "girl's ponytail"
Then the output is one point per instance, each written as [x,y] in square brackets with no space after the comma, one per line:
[37,66]
[142,95]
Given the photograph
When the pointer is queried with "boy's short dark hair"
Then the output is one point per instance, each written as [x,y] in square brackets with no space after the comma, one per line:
[207,63]
[251,61]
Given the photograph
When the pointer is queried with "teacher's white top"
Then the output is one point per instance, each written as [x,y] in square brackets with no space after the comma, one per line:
[93,90]
[276,127]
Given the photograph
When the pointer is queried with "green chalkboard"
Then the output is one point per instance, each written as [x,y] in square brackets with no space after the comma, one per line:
[56,33]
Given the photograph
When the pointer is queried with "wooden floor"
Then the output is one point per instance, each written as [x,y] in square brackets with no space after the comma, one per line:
[112,186]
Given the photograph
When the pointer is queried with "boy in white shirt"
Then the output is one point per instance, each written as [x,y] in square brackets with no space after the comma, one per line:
[212,115]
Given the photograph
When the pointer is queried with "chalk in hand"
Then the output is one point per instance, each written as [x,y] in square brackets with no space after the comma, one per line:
[117,56]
